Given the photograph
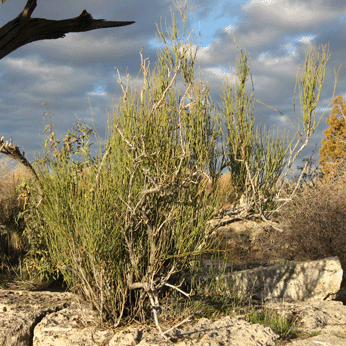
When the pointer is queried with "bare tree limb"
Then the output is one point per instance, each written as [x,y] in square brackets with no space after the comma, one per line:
[24,29]
[11,150]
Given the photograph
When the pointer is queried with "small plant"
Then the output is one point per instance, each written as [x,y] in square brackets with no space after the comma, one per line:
[285,326]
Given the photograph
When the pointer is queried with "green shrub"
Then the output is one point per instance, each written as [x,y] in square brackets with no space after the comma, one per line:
[121,225]
[259,161]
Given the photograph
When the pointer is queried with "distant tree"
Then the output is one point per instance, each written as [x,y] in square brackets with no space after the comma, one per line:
[333,150]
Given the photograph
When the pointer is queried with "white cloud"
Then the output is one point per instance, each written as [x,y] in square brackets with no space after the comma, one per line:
[219,73]
[48,77]
[269,60]
[230,29]
[306,39]
[36,66]
[291,13]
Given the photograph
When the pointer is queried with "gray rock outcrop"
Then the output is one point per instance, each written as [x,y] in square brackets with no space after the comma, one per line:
[47,319]
[296,280]
[59,319]
[74,326]
[323,321]
[21,311]
[225,331]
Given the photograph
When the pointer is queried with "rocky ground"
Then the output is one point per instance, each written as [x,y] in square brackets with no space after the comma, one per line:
[58,319]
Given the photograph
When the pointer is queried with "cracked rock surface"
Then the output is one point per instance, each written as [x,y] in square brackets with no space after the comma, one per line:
[21,311]
[326,319]
[75,325]
[225,331]
[62,319]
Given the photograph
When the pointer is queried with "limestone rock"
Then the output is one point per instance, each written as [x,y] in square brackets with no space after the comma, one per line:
[327,340]
[20,311]
[47,319]
[59,319]
[293,281]
[226,331]
[239,236]
[75,325]
[325,321]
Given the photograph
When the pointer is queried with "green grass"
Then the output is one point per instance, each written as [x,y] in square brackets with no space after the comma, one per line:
[285,326]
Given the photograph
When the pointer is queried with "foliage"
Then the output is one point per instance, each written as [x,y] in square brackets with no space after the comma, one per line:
[254,157]
[260,161]
[285,326]
[333,150]
[120,225]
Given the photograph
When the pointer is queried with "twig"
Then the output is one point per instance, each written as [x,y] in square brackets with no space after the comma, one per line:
[179,290]
[177,325]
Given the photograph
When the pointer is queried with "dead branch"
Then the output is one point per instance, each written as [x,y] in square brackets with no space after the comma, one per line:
[24,29]
[11,150]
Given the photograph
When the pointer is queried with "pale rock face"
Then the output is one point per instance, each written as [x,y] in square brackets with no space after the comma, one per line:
[292,281]
[324,320]
[47,319]
[225,331]
[75,325]
[59,319]
[20,311]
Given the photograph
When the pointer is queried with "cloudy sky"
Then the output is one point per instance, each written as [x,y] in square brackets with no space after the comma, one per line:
[68,73]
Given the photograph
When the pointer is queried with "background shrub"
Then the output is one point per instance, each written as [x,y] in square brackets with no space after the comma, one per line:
[315,219]
[13,245]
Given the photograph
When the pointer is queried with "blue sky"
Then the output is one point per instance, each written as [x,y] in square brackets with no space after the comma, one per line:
[68,73]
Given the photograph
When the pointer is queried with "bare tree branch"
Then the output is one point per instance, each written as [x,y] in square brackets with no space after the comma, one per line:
[24,29]
[11,150]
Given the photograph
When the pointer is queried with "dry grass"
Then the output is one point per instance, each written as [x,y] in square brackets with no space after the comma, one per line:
[313,223]
[225,190]
[11,176]
[12,243]
[316,219]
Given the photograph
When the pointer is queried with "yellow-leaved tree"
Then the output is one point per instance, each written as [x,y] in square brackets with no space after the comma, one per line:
[333,150]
